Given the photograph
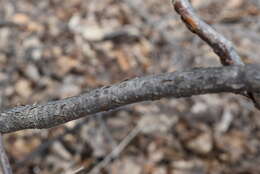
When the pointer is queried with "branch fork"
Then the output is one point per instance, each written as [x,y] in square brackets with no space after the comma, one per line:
[236,78]
[221,46]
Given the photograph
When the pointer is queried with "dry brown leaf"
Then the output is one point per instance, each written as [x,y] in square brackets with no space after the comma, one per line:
[65,64]
[122,59]
[23,88]
[21,19]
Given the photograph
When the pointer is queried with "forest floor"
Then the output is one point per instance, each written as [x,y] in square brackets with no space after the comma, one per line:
[54,49]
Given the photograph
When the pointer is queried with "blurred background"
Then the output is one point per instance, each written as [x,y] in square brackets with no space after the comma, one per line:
[53,49]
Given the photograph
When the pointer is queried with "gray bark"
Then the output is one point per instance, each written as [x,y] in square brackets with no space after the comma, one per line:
[235,79]
[220,45]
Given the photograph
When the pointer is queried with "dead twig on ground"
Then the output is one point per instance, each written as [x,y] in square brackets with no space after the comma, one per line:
[115,153]
[72,130]
[8,24]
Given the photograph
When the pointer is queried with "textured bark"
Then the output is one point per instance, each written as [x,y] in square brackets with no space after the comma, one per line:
[220,45]
[236,79]
[5,164]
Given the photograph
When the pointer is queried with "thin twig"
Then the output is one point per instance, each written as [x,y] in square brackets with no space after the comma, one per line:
[220,45]
[41,148]
[6,167]
[236,79]
[115,153]
[107,133]
[49,142]
[4,161]
[8,24]
[154,24]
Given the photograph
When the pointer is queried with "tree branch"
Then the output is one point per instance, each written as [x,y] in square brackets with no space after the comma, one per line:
[6,168]
[236,79]
[8,24]
[220,45]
